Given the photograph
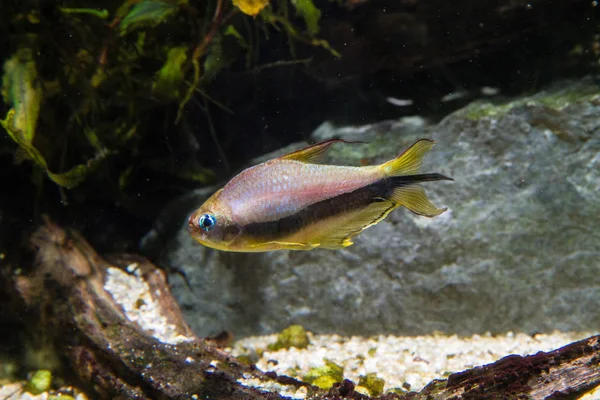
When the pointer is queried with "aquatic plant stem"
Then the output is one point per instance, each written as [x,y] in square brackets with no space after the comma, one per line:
[199,51]
[213,134]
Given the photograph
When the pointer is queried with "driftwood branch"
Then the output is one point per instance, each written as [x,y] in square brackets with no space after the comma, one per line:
[146,350]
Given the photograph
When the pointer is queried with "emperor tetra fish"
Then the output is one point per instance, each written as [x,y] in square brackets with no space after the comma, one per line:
[292,202]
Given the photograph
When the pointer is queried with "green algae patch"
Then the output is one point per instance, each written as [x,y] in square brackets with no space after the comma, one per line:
[39,382]
[245,359]
[398,391]
[324,377]
[294,336]
[372,384]
[169,78]
[478,110]
[556,100]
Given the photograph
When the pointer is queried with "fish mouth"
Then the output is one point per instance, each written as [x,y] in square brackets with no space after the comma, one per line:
[191,226]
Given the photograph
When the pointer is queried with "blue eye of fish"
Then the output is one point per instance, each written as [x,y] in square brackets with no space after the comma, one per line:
[207,222]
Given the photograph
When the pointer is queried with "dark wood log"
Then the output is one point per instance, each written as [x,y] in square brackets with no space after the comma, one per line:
[564,373]
[114,356]
[116,352]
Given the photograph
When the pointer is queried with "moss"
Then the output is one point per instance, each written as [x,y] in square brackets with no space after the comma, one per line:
[294,336]
[324,377]
[372,383]
[359,154]
[245,359]
[397,390]
[478,110]
[556,100]
[325,382]
[8,366]
[39,382]
[292,372]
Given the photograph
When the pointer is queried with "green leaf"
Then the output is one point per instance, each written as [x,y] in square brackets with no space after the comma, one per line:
[231,31]
[68,179]
[269,17]
[214,59]
[100,13]
[147,13]
[21,89]
[221,54]
[169,78]
[310,13]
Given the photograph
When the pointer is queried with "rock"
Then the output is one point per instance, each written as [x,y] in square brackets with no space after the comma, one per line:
[517,250]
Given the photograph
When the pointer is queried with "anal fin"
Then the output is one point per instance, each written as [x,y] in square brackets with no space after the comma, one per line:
[337,232]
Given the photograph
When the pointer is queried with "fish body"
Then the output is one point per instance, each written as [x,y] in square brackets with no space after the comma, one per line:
[292,202]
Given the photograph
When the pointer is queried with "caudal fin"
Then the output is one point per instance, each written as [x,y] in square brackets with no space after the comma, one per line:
[409,162]
[403,172]
[415,199]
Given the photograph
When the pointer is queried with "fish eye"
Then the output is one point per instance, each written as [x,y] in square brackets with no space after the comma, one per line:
[207,222]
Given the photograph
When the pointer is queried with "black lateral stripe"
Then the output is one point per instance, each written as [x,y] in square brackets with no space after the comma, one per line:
[410,179]
[319,211]
[359,198]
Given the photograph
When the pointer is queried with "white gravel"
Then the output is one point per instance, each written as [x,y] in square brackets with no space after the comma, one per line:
[399,361]
[133,294]
[403,362]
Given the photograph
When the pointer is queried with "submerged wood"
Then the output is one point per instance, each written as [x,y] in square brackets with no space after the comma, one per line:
[115,357]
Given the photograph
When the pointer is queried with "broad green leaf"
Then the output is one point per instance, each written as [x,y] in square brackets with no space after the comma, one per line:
[71,178]
[169,78]
[21,89]
[68,179]
[148,13]
[310,13]
[11,127]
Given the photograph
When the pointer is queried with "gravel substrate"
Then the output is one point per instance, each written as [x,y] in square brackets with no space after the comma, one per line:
[403,362]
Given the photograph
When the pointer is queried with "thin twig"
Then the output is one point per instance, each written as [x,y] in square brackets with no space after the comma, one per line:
[213,133]
[199,51]
[276,64]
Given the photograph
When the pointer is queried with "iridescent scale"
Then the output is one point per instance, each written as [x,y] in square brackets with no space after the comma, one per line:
[278,188]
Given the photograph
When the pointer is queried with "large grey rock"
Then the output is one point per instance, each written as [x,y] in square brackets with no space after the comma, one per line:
[518,248]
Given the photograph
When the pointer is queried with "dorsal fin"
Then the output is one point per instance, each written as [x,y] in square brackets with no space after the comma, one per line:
[314,153]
